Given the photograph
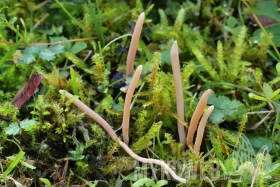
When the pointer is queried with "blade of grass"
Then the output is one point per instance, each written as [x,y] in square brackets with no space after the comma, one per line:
[73,81]
[10,52]
[14,163]
[46,182]
[12,49]
[118,38]
[73,19]
[86,181]
[97,21]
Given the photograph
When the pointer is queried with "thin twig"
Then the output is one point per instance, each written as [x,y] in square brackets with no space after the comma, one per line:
[260,112]
[262,120]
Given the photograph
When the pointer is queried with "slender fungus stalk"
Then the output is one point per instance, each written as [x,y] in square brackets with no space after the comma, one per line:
[201,127]
[113,135]
[134,44]
[196,116]
[128,98]
[93,115]
[174,54]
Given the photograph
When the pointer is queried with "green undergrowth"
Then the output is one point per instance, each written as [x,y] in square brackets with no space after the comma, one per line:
[81,47]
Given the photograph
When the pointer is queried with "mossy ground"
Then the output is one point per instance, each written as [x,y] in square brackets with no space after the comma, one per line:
[81,47]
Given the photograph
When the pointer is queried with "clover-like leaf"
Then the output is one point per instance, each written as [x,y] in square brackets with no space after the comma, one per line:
[216,116]
[221,102]
[28,57]
[144,181]
[12,129]
[78,47]
[34,49]
[47,55]
[267,90]
[227,109]
[57,49]
[27,124]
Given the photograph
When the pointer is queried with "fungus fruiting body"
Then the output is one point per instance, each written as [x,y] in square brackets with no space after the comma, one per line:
[196,116]
[128,98]
[174,54]
[134,44]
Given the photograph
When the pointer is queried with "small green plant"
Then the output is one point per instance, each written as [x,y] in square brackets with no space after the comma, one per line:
[149,182]
[217,50]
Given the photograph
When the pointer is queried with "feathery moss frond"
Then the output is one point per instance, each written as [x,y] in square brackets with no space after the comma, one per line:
[205,63]
[145,141]
[238,52]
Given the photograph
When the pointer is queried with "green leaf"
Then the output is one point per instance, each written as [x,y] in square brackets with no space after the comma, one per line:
[134,176]
[14,163]
[67,45]
[57,49]
[161,183]
[275,169]
[216,116]
[228,114]
[10,52]
[57,30]
[34,49]
[278,68]
[28,57]
[146,50]
[258,142]
[231,165]
[12,129]
[267,90]
[144,181]
[47,55]
[78,47]
[27,124]
[221,102]
[29,166]
[46,31]
[13,20]
[74,82]
[46,182]
[268,9]
[254,96]
[231,22]
[240,111]
[234,104]
[275,93]
[227,28]
[272,29]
